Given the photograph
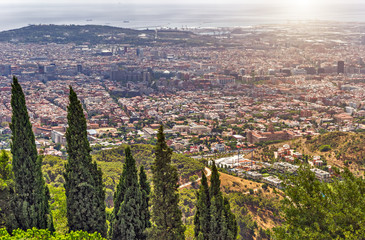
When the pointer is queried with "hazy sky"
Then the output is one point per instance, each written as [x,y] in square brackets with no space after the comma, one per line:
[271,2]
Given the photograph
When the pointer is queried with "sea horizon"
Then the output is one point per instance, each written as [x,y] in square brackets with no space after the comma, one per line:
[152,16]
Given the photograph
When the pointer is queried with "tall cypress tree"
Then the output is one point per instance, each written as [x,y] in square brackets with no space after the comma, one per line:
[84,187]
[128,222]
[166,215]
[215,182]
[118,198]
[30,206]
[202,216]
[146,190]
[214,219]
[230,218]
[216,204]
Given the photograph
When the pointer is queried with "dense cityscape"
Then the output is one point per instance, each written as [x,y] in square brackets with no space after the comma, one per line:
[299,79]
[259,102]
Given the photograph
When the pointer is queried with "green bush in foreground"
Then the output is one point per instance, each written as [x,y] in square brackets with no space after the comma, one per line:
[45,234]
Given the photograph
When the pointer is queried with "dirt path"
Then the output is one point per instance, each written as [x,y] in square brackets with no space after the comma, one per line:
[207,171]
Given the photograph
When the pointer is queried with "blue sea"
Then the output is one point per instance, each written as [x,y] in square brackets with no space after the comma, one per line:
[142,16]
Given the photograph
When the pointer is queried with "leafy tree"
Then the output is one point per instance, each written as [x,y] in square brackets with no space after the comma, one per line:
[166,215]
[59,208]
[30,205]
[317,210]
[6,190]
[83,179]
[127,221]
[6,172]
[57,146]
[146,190]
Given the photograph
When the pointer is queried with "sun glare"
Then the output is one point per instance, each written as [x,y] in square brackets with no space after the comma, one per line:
[302,9]
[302,2]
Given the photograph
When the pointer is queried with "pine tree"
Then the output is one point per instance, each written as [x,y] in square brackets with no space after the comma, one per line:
[146,190]
[128,222]
[202,216]
[84,187]
[166,215]
[30,206]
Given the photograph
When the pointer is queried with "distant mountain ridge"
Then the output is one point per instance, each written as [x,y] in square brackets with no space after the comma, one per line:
[92,34]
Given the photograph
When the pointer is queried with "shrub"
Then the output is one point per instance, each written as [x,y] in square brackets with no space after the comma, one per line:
[47,235]
[325,148]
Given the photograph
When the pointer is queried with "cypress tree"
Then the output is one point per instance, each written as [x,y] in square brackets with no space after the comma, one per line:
[216,204]
[230,218]
[119,197]
[166,215]
[84,187]
[214,219]
[146,190]
[202,216]
[128,222]
[215,182]
[30,206]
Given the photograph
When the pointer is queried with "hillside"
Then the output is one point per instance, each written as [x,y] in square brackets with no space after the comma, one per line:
[256,207]
[96,34]
[339,149]
[111,162]
[256,212]
[144,155]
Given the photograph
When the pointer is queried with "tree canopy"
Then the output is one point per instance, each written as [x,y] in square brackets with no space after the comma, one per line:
[319,210]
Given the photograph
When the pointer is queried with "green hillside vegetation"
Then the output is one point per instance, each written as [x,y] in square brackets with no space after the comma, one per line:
[256,213]
[111,162]
[339,149]
[345,146]
[95,34]
[318,210]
